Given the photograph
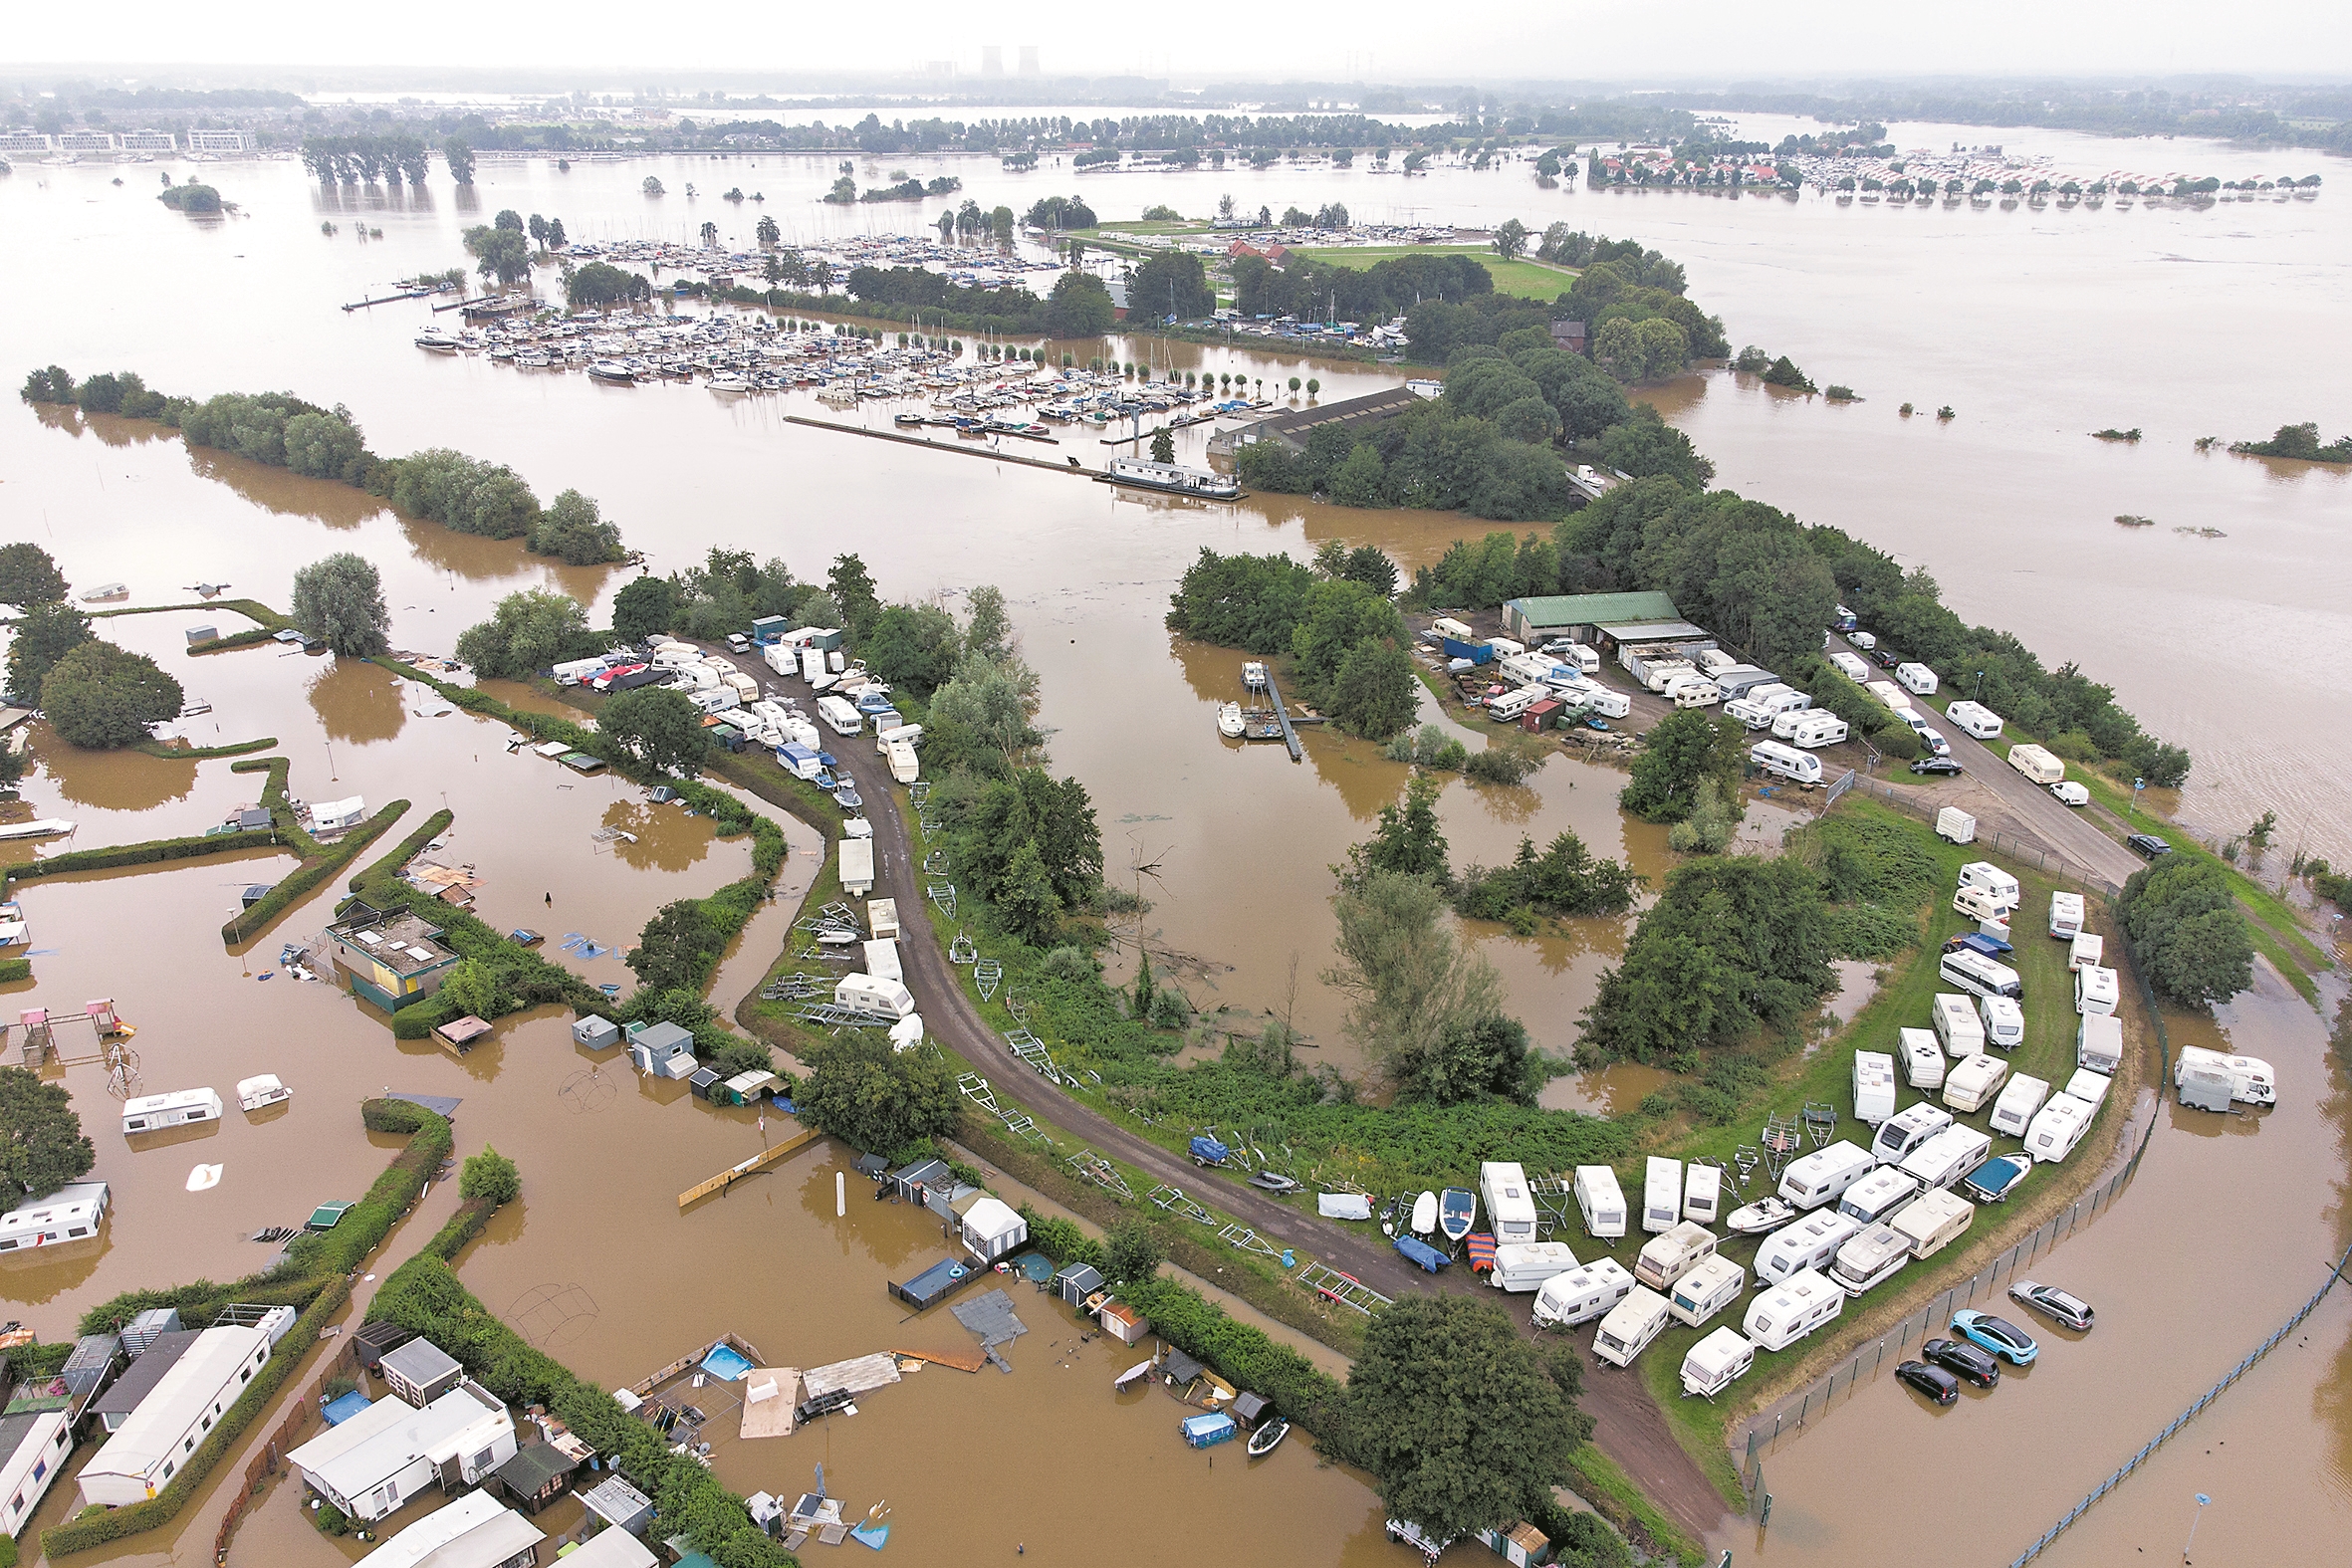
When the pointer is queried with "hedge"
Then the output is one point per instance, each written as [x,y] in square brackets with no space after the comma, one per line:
[15,969]
[197,754]
[405,851]
[311,874]
[153,851]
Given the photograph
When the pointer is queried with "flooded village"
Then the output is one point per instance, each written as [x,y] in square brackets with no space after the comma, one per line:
[623,1098]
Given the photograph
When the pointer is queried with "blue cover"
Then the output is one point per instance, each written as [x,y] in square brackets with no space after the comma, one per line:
[1474,652]
[1204,1431]
[345,1406]
[1418,1252]
[1209,1151]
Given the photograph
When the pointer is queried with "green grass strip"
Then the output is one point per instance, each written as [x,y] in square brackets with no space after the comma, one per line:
[185,754]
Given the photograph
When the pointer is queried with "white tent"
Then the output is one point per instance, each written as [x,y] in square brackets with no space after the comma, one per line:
[992,1230]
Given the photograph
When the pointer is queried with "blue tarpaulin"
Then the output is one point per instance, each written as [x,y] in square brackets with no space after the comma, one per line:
[1207,1151]
[1416,1252]
[345,1406]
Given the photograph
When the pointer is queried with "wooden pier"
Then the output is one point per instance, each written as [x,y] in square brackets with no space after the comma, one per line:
[1281,715]
[750,1166]
[961,1360]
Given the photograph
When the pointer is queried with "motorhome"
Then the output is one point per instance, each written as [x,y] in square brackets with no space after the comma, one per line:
[1666,1258]
[1785,762]
[2094,989]
[1511,1211]
[1878,1197]
[1717,1362]
[182,1107]
[1851,666]
[1582,1293]
[1802,1303]
[1706,1289]
[1868,1258]
[2014,1112]
[1922,1057]
[1526,1265]
[2098,1042]
[2066,915]
[1992,879]
[2251,1078]
[2088,1087]
[1874,1086]
[2042,766]
[2004,1020]
[1955,1021]
[1905,1132]
[873,994]
[1975,718]
[1980,976]
[1822,1177]
[2057,1127]
[1809,1243]
[1947,1157]
[1702,1192]
[840,715]
[2089,948]
[1602,1202]
[1660,1207]
[1934,1222]
[1972,1081]
[1630,1326]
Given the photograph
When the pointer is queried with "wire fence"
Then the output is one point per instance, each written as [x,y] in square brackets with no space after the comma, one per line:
[2018,846]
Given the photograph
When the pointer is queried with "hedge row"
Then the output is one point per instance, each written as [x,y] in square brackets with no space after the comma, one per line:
[197,754]
[387,867]
[299,884]
[252,609]
[153,851]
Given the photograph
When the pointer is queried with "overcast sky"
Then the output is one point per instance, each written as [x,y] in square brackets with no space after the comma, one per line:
[1385,40]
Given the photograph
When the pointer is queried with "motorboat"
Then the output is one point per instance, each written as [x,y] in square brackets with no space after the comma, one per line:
[1455,1209]
[607,370]
[1228,721]
[437,340]
[1268,1438]
[1254,675]
[1424,1213]
[1275,1182]
[1168,476]
[729,382]
[1769,1213]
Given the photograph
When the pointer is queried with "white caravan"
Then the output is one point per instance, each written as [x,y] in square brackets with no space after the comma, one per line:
[1582,1294]
[1947,1157]
[1906,1132]
[1922,1057]
[1601,1200]
[1711,1284]
[1630,1326]
[1874,1086]
[1661,1206]
[1717,1362]
[1822,1177]
[1809,1243]
[1781,1317]
[2014,1112]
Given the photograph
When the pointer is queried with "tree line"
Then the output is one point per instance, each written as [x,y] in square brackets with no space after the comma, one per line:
[1078,305]
[1347,641]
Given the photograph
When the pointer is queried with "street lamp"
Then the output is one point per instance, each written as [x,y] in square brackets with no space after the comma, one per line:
[2201,1501]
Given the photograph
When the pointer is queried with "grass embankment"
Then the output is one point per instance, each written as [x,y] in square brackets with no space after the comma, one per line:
[191,754]
[267,621]
[1523,276]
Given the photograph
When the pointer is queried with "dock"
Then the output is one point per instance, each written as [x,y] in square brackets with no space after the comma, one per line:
[1068,466]
[950,424]
[750,1166]
[392,299]
[961,1360]
[1281,715]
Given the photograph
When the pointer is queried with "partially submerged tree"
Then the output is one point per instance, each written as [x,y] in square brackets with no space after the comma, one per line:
[42,1146]
[100,695]
[658,728]
[340,600]
[28,576]
[527,632]
[878,1099]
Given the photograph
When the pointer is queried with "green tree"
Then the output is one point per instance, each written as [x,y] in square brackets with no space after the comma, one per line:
[28,576]
[1171,284]
[1132,1251]
[499,253]
[1465,1424]
[878,1099]
[460,158]
[988,629]
[44,635]
[1683,747]
[1511,239]
[1476,1058]
[644,606]
[2187,931]
[1025,898]
[574,530]
[1079,307]
[340,600]
[100,696]
[527,632]
[488,1178]
[658,726]
[853,588]
[1376,693]
[41,1143]
[1409,982]
[913,647]
[1408,839]
[1709,829]
[677,948]
[472,986]
[601,285]
[1163,447]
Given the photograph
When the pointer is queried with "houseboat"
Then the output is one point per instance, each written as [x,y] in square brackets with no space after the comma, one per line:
[1143,474]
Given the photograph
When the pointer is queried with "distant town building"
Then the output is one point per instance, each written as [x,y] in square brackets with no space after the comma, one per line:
[86,142]
[219,142]
[148,141]
[26,141]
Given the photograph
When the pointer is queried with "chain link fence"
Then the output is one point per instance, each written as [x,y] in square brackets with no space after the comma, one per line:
[2018,846]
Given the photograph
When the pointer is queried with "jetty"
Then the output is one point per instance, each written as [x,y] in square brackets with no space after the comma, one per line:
[1068,466]
[750,1166]
[390,299]
[1281,715]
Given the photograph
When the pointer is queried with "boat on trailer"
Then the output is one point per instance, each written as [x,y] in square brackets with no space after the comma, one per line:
[1767,1214]
[1456,1210]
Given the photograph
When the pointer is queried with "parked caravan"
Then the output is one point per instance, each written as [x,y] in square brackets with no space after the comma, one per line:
[1934,1222]
[1702,1192]
[1695,694]
[1528,669]
[715,699]
[1782,723]
[180,1108]
[1506,708]
[1583,656]
[873,994]
[1784,699]
[2088,1087]
[1657,674]
[1948,1156]
[2004,1020]
[1992,879]
[1447,626]
[1922,1057]
[1706,1289]
[1668,1257]
[1851,666]
[1749,715]
[1603,1203]
[2014,1112]
[2251,1078]
[840,715]
[1954,1020]
[1785,762]
[1956,824]
[1511,1211]
[1869,1258]
[1917,679]
[2066,915]
[1981,906]
[1781,1317]
[1972,1081]
[2041,766]
[1809,1243]
[904,767]
[1977,719]
[1660,1207]
[1822,1177]
[1980,976]
[2058,1126]
[1715,1363]
[1608,704]
[1737,680]
[781,660]
[1874,1086]
[1878,1197]
[1582,1293]
[882,959]
[1889,695]
[857,866]
[2089,948]
[1526,1265]
[1816,729]
[2094,989]
[1903,1132]
[2098,1042]
[1630,1326]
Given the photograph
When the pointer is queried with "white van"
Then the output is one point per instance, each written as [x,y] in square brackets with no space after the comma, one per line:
[1823,1176]
[1874,1086]
[873,994]
[1785,762]
[1582,1294]
[1992,879]
[1955,1021]
[1783,1316]
[2088,1087]
[1977,719]
[2251,1078]
[2014,1112]
[1921,1057]
[2004,1020]
[1947,1157]
[1850,665]
[1630,1326]
[1526,1265]
[1917,679]
[1869,1258]
[2089,948]
[2058,1128]
[1510,1212]
[2098,1042]
[1602,1201]
[2094,989]
[1978,976]
[1935,1222]
[1706,1289]
[1972,1081]
[179,1108]
[1661,1206]
[840,715]
[1862,639]
[2070,792]
[1906,1132]
[1702,1192]
[1809,1243]
[1878,1197]
[1666,1258]
[1717,1362]
[2066,915]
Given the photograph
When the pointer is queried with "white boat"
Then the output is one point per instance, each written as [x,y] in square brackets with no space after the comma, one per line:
[729,384]
[609,370]
[437,340]
[1146,475]
[1254,675]
[106,590]
[1769,1213]
[1424,1213]
[1229,720]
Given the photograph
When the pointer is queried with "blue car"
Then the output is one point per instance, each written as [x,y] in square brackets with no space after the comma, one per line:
[1997,1334]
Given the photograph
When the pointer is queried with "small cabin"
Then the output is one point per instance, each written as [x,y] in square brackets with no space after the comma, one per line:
[662,1049]
[992,1230]
[420,1372]
[596,1032]
[1077,1283]
[460,1035]
[1124,1323]
[537,1474]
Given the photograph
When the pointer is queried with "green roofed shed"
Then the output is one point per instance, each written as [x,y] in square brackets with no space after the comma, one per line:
[324,1216]
[1581,616]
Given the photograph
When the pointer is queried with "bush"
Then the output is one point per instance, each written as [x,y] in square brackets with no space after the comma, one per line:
[488,1178]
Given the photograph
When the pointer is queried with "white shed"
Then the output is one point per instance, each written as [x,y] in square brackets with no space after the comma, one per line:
[992,1230]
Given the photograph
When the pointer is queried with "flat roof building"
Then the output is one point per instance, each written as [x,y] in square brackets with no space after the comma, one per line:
[1293,426]
[116,1405]
[472,1532]
[390,960]
[1580,616]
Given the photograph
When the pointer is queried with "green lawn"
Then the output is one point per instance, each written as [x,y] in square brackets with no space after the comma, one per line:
[1532,280]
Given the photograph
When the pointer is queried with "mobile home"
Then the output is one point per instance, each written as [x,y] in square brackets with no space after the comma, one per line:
[1717,1362]
[1511,1212]
[1706,1289]
[1809,1243]
[1582,1294]
[2057,1127]
[1923,1058]
[1906,1132]
[1874,1086]
[2014,1112]
[1972,1081]
[1666,1258]
[1869,1258]
[1630,1326]
[155,1112]
[2004,1020]
[1878,1197]
[1917,679]
[1978,976]
[2094,989]
[1934,1222]
[2251,1078]
[1601,1200]
[1661,1206]
[1956,1024]
[1785,762]
[1823,1176]
[1702,1192]
[1781,1317]
[71,1214]
[1526,1265]
[1977,719]
[2041,766]
[2098,1042]
[1947,1157]
[2066,915]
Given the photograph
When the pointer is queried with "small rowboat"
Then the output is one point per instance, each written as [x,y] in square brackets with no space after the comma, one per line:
[1268,1438]
[1769,1213]
[1273,1182]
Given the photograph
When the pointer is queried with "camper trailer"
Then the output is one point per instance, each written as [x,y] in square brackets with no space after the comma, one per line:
[1582,1294]
[1817,729]
[1706,1289]
[1992,879]
[2088,947]
[857,866]
[1878,1197]
[840,715]
[1661,1206]
[1749,715]
[2004,1020]
[2066,915]
[1511,1212]
[873,994]
[1978,976]
[2251,1078]
[2043,767]
[2014,1112]
[2098,1042]
[1874,1086]
[1597,1194]
[1922,1057]
[1717,1362]
[2058,1126]
[2088,1087]
[1822,1177]
[1668,1257]
[1507,708]
[1785,762]
[1981,906]
[904,768]
[1917,679]
[1781,1317]
[882,959]
[1850,665]
[1972,1081]
[154,1112]
[1694,694]
[1906,1132]
[1778,700]
[1630,1326]
[1526,1265]
[1702,1192]
[1809,1243]
[1975,718]
[1869,1258]
[1947,1157]
[2094,989]
[1956,1024]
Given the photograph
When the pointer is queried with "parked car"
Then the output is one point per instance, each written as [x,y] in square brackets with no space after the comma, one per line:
[2148,846]
[1884,659]
[1997,1334]
[1942,766]
[1937,1384]
[2060,1306]
[1963,1358]
[738,643]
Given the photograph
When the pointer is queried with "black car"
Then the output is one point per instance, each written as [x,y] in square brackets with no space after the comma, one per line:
[1936,1383]
[2148,846]
[1884,659]
[1941,766]
[1959,1356]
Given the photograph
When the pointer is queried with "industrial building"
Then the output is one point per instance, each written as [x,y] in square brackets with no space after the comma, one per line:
[1602,619]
